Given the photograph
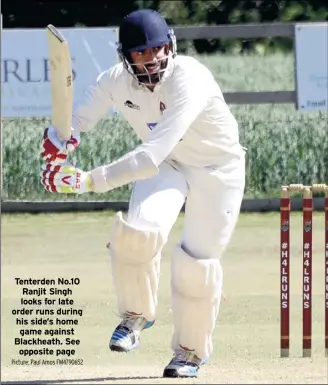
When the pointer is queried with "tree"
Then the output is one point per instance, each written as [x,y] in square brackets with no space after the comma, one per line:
[37,14]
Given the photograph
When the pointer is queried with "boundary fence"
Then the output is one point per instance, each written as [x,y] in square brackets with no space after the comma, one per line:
[248,205]
[246,31]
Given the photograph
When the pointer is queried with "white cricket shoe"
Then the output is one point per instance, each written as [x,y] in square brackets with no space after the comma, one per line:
[183,364]
[126,336]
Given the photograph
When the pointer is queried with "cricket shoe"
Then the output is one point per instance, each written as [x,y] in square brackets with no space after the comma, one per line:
[126,336]
[184,363]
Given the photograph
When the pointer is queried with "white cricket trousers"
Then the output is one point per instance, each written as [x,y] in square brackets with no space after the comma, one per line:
[212,200]
[212,203]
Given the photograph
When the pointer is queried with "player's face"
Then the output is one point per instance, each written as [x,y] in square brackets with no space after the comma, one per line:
[150,58]
[150,63]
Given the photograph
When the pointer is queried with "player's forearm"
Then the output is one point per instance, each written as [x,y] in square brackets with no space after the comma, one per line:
[135,165]
[145,160]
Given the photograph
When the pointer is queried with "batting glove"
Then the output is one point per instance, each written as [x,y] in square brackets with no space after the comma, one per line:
[54,150]
[65,179]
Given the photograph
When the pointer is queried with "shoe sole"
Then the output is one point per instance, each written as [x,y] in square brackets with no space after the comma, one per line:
[173,373]
[119,349]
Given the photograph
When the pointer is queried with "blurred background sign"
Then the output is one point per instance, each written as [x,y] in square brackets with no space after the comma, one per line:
[25,70]
[311,59]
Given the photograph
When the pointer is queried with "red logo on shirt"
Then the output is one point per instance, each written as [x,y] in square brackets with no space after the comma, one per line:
[162,107]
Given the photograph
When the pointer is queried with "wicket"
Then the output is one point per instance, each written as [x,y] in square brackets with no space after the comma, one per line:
[285,207]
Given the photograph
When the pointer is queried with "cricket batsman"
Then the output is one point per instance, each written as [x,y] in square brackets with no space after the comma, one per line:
[190,154]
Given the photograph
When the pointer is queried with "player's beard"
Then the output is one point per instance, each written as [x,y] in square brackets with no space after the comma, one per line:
[152,76]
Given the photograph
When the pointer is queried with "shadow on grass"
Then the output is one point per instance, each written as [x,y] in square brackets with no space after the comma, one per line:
[79,380]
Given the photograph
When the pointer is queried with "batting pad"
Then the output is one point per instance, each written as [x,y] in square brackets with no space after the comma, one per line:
[135,263]
[196,293]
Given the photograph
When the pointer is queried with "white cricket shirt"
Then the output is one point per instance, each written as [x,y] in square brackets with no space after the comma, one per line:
[184,119]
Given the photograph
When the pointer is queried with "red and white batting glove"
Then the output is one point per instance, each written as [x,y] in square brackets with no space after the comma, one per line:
[65,179]
[54,150]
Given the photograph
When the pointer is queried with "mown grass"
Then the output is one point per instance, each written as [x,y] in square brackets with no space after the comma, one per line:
[246,337]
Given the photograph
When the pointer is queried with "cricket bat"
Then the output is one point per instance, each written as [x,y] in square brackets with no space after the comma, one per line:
[61,82]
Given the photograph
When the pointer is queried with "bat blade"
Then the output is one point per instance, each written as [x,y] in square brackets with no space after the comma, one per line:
[61,82]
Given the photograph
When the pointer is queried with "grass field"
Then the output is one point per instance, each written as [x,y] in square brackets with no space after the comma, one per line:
[247,334]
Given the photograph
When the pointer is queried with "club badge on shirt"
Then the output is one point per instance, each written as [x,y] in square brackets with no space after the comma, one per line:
[162,107]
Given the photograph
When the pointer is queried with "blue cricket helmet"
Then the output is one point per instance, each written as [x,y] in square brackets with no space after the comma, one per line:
[143,29]
[140,30]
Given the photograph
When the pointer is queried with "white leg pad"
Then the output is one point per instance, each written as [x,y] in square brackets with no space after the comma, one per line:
[135,263]
[196,294]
